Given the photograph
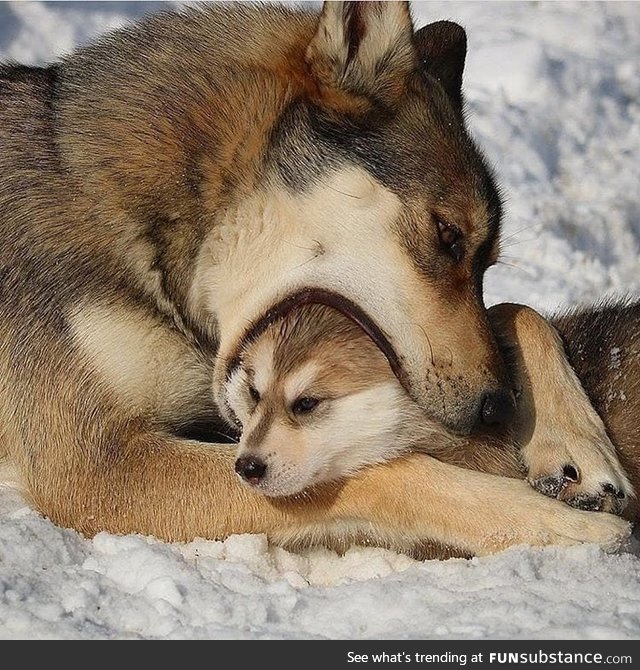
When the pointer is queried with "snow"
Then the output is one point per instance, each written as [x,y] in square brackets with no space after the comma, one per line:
[553,91]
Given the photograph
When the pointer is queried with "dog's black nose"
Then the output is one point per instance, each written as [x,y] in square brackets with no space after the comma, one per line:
[498,408]
[251,469]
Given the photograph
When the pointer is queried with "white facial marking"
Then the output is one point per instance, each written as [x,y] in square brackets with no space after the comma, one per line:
[300,380]
[236,390]
[262,362]
[266,249]
[361,430]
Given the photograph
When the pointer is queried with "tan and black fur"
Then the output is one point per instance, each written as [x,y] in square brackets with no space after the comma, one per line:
[167,189]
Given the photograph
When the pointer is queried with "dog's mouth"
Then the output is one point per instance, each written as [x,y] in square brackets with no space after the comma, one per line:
[309,296]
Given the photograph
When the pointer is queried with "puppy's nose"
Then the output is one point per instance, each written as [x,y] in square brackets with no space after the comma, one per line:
[251,469]
[498,408]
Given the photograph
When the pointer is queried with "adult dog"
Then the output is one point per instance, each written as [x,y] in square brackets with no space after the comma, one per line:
[170,188]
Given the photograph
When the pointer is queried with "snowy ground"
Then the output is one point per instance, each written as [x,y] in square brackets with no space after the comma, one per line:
[554,95]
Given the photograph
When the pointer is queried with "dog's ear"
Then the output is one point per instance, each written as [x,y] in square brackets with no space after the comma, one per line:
[363,50]
[442,48]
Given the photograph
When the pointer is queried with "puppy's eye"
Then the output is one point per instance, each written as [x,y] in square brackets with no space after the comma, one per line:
[451,239]
[304,405]
[253,392]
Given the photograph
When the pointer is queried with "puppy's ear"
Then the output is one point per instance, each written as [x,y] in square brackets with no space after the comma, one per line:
[442,48]
[363,49]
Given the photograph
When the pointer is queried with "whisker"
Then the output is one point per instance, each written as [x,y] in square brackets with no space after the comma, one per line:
[424,332]
[318,251]
[513,243]
[296,267]
[517,267]
[349,195]
[519,231]
[299,246]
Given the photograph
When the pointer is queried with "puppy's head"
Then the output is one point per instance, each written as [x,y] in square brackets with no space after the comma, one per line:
[317,401]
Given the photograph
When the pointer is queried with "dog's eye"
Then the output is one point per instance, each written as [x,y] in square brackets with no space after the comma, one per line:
[255,396]
[451,239]
[304,405]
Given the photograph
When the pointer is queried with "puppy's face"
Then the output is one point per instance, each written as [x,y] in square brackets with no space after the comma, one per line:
[317,401]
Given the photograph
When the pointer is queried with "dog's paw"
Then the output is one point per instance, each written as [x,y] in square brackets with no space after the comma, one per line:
[608,531]
[583,474]
[600,496]
[539,522]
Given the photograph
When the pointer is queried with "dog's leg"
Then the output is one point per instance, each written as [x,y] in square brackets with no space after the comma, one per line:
[563,440]
[178,490]
[474,511]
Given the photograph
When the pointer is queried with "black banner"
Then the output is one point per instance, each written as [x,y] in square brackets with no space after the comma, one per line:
[333,654]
